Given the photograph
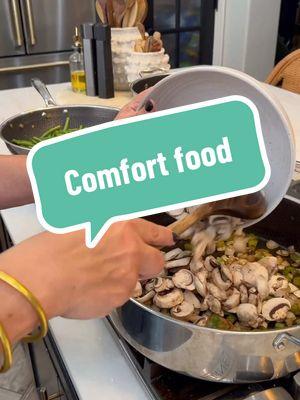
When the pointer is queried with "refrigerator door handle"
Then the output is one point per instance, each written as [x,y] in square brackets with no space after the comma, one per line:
[30,22]
[17,23]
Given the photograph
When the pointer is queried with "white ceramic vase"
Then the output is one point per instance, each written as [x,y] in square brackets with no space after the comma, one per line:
[140,64]
[122,44]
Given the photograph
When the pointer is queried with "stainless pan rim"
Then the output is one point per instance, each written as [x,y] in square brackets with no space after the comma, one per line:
[185,324]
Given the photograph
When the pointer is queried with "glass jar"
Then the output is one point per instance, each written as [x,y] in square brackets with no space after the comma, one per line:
[77,65]
[77,70]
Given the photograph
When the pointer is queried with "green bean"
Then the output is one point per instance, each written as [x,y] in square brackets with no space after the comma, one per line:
[217,322]
[24,143]
[67,123]
[49,131]
[231,318]
[279,325]
[296,258]
[296,281]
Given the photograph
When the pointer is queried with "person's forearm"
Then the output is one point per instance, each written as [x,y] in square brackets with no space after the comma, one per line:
[15,188]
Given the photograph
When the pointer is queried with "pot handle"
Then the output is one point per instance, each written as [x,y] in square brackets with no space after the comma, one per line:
[43,91]
[279,341]
[152,71]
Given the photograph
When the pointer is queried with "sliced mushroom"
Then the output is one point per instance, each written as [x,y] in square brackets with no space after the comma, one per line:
[211,247]
[244,294]
[196,265]
[233,300]
[276,309]
[219,281]
[247,314]
[163,284]
[169,299]
[202,321]
[254,274]
[237,278]
[148,296]
[172,254]
[262,287]
[253,299]
[138,290]
[184,253]
[251,271]
[150,285]
[201,239]
[176,213]
[190,297]
[294,290]
[278,285]
[182,311]
[189,233]
[271,245]
[200,282]
[226,273]
[283,253]
[271,263]
[184,279]
[214,305]
[210,263]
[182,262]
[216,292]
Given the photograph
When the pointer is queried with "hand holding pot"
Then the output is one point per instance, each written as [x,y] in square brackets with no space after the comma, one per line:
[132,108]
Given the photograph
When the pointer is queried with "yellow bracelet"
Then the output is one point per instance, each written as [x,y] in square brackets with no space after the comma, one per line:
[35,304]
[7,350]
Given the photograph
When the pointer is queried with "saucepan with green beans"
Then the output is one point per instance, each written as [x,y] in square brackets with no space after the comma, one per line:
[23,131]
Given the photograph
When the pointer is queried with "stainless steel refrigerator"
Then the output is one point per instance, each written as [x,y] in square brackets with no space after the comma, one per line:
[36,38]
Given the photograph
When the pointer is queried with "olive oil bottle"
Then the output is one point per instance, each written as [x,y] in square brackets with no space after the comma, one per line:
[77,66]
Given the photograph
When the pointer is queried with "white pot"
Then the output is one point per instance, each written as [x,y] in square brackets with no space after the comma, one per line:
[141,63]
[122,44]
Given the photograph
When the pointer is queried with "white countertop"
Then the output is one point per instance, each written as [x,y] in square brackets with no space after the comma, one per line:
[94,361]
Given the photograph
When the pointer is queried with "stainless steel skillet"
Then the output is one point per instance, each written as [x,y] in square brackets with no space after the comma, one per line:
[35,122]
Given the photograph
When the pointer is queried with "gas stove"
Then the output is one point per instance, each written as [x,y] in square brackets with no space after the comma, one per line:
[164,384]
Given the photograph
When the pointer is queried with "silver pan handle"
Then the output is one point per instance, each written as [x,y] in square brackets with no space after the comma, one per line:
[279,342]
[17,22]
[30,22]
[43,91]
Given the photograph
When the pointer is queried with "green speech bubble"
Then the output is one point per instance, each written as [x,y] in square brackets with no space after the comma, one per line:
[147,164]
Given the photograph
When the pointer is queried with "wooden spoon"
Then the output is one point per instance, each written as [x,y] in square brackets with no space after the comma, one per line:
[101,12]
[142,11]
[251,206]
[119,10]
[142,30]
[127,14]
[110,13]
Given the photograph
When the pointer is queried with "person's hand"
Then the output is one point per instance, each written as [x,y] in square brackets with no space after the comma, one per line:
[132,108]
[74,281]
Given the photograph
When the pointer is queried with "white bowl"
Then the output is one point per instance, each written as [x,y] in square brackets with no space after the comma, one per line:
[207,83]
